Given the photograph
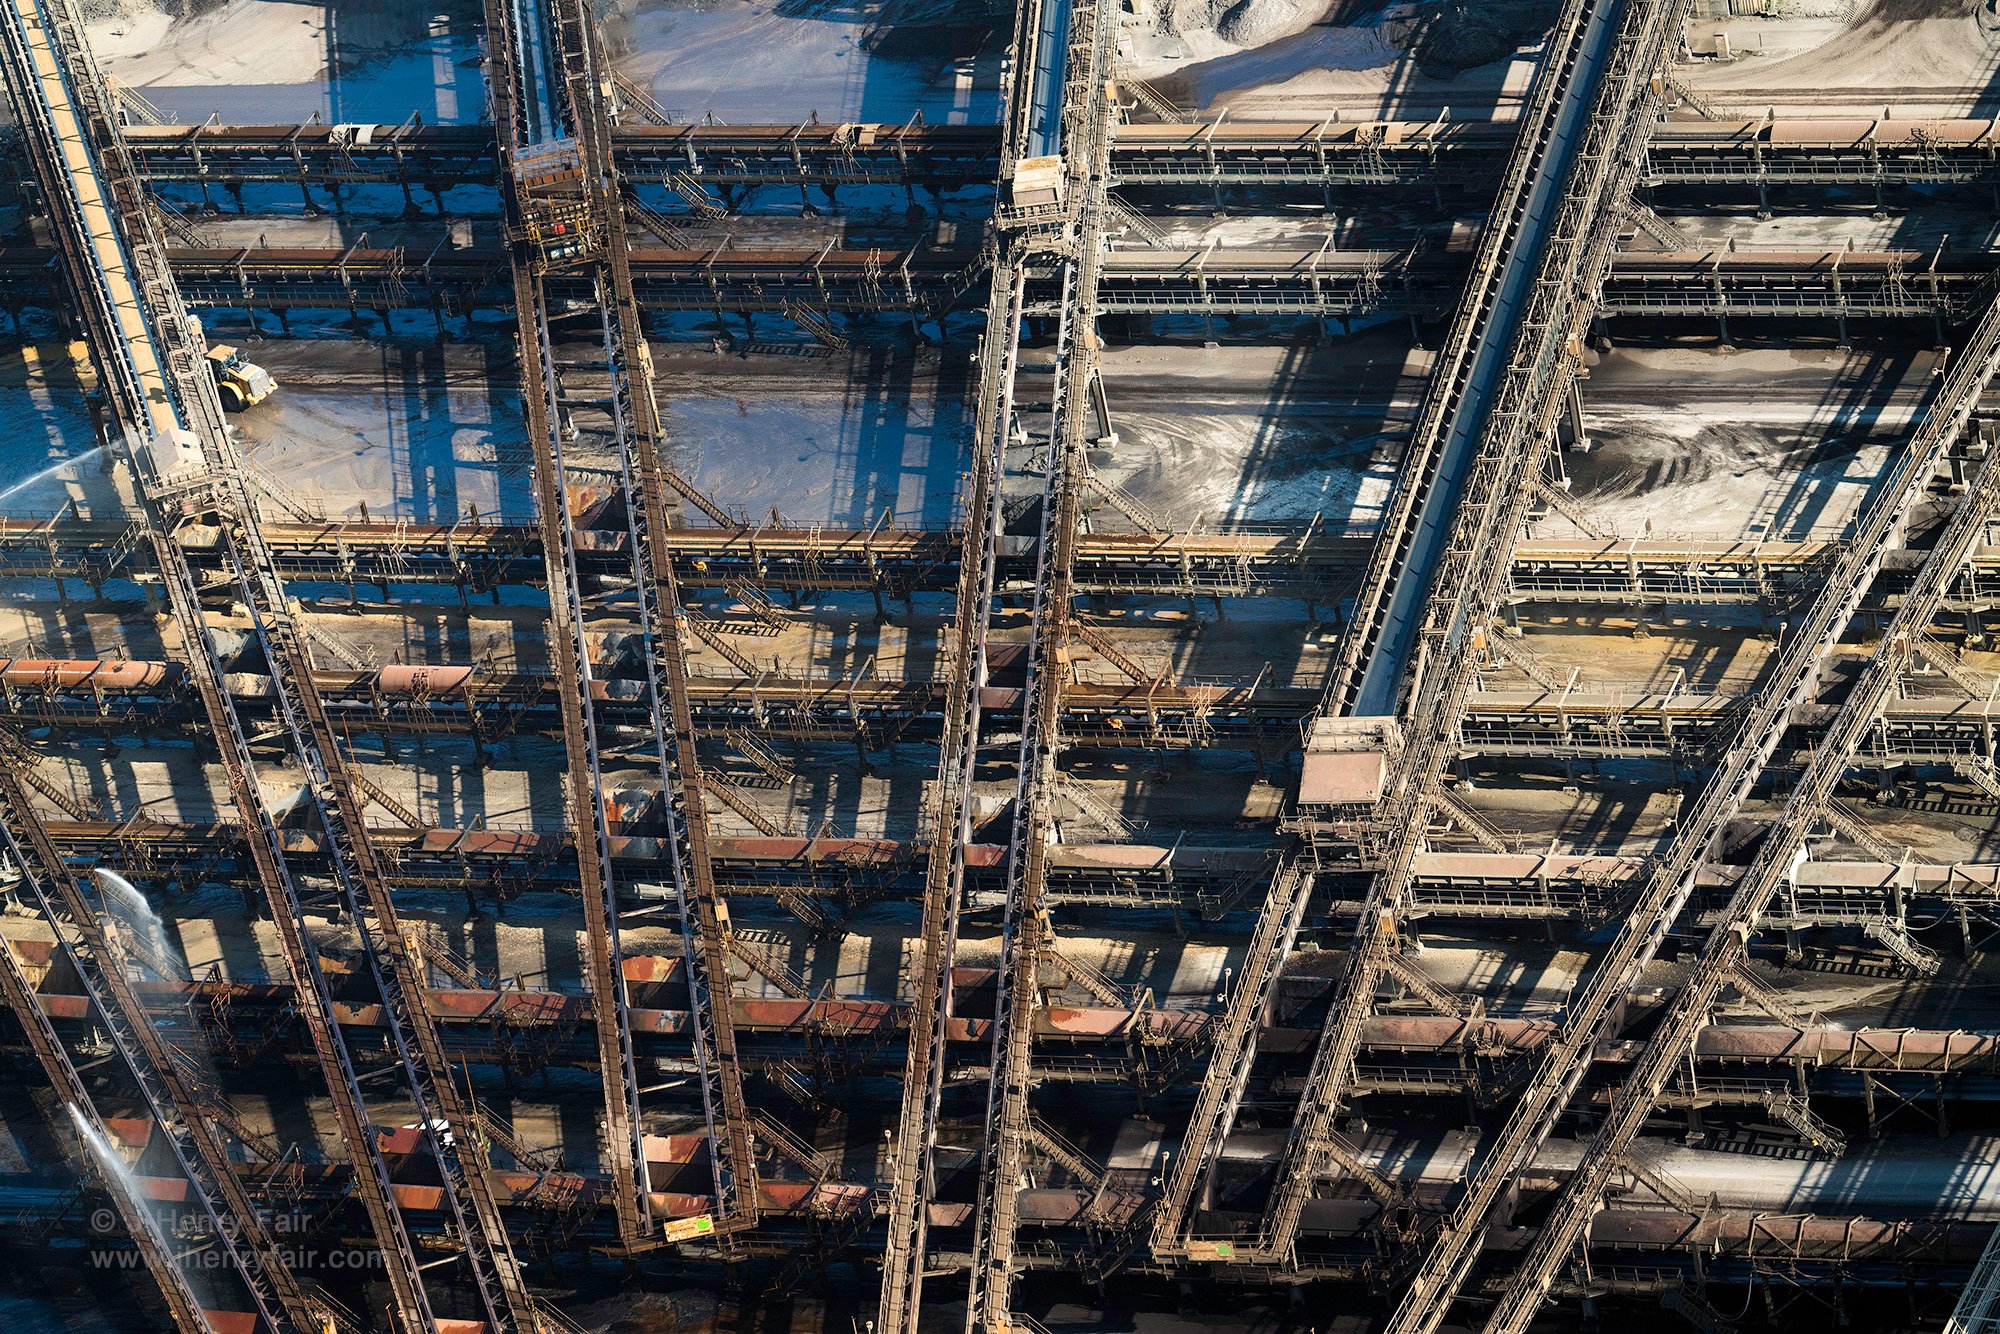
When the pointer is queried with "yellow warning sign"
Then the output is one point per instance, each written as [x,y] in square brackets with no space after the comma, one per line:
[687,1229]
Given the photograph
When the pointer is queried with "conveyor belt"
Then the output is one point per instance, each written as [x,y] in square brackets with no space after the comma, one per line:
[1392,1042]
[898,562]
[1727,946]
[1450,455]
[188,1114]
[1445,884]
[163,1265]
[1302,281]
[149,358]
[1791,683]
[1027,937]
[1787,151]
[533,102]
[1466,381]
[1496,400]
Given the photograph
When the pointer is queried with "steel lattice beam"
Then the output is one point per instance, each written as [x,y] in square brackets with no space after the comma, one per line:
[1791,683]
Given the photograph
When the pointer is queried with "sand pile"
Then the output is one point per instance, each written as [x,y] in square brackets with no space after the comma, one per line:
[1923,57]
[1286,57]
[1455,35]
[1443,36]
[1241,22]
[97,11]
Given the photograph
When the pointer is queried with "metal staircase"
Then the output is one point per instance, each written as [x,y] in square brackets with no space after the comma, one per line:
[1153,100]
[1691,1304]
[1656,228]
[404,815]
[722,787]
[689,187]
[762,961]
[1414,981]
[338,647]
[715,635]
[1129,505]
[1980,773]
[1102,813]
[674,233]
[133,106]
[1112,654]
[1124,220]
[776,1136]
[759,752]
[306,509]
[1770,1001]
[1561,502]
[1474,825]
[1953,668]
[1852,825]
[176,224]
[630,96]
[1667,1190]
[1694,101]
[766,613]
[1064,1154]
[1891,934]
[1530,664]
[1793,1111]
[818,324]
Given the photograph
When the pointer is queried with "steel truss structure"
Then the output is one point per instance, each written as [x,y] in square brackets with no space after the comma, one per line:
[1762,153]
[1792,682]
[578,159]
[930,282]
[566,217]
[170,420]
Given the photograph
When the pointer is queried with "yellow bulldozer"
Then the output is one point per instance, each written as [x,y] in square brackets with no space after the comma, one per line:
[241,382]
